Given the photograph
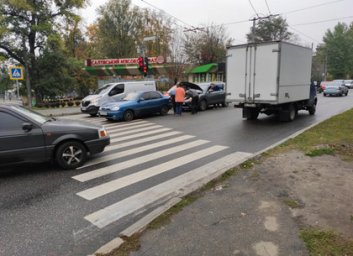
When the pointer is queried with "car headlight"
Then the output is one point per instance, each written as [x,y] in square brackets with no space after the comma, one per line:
[115,108]
[102,133]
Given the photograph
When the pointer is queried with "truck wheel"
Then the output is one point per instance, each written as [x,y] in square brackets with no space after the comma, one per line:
[312,110]
[292,112]
[128,115]
[203,105]
[254,114]
[70,155]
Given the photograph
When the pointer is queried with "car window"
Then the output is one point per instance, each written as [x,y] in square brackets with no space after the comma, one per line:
[103,89]
[33,115]
[146,96]
[155,95]
[119,88]
[9,122]
[131,96]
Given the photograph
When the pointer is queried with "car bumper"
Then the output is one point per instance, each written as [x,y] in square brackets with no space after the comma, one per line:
[90,109]
[111,115]
[97,146]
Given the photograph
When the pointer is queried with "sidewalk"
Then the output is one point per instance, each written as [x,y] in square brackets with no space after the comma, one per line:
[59,111]
[242,217]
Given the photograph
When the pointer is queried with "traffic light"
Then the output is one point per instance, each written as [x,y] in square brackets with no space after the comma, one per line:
[140,63]
[145,66]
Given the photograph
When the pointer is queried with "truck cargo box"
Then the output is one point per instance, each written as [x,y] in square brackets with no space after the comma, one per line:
[270,73]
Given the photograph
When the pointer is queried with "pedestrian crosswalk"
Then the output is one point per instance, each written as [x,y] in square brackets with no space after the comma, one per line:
[141,151]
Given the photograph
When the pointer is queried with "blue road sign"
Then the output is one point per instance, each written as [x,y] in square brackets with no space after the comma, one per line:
[16,73]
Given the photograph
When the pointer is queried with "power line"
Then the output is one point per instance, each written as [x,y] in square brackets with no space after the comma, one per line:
[304,34]
[167,13]
[268,8]
[322,21]
[312,6]
[254,9]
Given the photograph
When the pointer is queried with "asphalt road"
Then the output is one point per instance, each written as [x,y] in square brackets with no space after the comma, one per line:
[45,211]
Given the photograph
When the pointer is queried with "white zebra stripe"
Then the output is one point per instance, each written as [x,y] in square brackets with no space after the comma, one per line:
[134,136]
[140,141]
[131,131]
[176,187]
[138,150]
[136,161]
[125,181]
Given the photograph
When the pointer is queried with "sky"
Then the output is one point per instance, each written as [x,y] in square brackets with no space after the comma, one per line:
[308,19]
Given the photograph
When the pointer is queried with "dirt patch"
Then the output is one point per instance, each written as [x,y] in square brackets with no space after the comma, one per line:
[321,187]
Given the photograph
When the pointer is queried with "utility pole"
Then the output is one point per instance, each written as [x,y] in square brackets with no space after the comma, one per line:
[254,24]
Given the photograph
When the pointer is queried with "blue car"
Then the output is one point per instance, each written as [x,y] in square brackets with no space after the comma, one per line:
[136,104]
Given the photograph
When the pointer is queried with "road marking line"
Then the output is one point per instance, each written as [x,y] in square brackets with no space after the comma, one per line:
[140,141]
[136,161]
[119,134]
[138,135]
[138,150]
[176,187]
[111,186]
[121,129]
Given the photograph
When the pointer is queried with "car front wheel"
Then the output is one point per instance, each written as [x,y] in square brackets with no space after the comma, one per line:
[71,155]
[164,110]
[203,105]
[128,115]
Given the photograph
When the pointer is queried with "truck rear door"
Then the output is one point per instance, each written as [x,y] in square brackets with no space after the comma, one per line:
[252,73]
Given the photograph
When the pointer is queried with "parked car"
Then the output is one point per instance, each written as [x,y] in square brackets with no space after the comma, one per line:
[335,88]
[26,136]
[348,84]
[113,92]
[210,93]
[136,104]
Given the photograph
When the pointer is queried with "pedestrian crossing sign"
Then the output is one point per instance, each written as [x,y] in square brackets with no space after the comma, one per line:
[16,73]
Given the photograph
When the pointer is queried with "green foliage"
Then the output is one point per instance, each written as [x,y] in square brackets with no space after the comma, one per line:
[337,51]
[272,29]
[207,46]
[121,29]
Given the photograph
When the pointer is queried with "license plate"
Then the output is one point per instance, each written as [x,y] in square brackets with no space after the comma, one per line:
[102,113]
[83,108]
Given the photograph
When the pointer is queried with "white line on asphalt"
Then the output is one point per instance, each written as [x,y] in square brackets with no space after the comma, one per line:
[176,187]
[138,135]
[114,185]
[136,161]
[121,129]
[126,124]
[138,150]
[119,134]
[140,141]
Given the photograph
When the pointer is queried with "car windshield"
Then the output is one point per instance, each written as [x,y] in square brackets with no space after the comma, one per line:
[103,89]
[204,87]
[31,114]
[333,84]
[131,96]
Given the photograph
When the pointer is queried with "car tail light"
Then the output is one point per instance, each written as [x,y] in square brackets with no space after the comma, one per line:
[103,133]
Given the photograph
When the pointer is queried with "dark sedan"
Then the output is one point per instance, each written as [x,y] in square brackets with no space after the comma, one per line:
[210,93]
[26,136]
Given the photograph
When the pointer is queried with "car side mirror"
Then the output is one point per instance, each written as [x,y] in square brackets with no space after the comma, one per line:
[27,127]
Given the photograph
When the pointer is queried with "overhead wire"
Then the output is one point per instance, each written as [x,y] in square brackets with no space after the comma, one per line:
[268,8]
[312,6]
[254,9]
[322,21]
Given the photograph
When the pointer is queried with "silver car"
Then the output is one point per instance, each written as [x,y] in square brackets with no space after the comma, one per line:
[335,89]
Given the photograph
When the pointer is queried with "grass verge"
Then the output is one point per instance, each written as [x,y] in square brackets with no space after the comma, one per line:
[319,242]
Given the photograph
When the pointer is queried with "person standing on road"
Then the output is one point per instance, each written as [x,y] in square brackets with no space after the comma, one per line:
[194,100]
[179,98]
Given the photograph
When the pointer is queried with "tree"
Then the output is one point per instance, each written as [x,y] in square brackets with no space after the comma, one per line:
[121,28]
[271,29]
[25,26]
[207,46]
[337,51]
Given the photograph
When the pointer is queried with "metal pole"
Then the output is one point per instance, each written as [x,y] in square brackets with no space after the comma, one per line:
[18,94]
[28,85]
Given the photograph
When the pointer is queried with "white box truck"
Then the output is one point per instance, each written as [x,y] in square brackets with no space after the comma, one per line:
[270,78]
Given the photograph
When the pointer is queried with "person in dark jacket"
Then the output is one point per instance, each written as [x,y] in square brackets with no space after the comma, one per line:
[194,101]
